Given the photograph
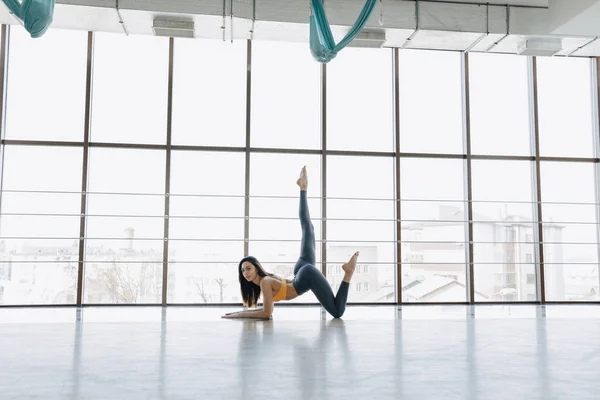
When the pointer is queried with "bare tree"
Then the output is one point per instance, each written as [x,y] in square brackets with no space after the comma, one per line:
[125,285]
[200,288]
[221,283]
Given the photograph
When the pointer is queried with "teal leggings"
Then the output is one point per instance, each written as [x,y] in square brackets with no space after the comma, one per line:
[307,277]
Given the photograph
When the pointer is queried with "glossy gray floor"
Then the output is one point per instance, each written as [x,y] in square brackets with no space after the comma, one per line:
[413,352]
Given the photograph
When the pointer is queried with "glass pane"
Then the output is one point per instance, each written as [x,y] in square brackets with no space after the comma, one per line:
[126,171]
[209,93]
[287,207]
[286,106]
[131,205]
[435,181]
[33,168]
[360,100]
[117,171]
[361,231]
[505,283]
[130,89]
[279,257]
[276,175]
[503,231]
[339,252]
[125,222]
[559,186]
[565,213]
[276,242]
[504,243]
[430,102]
[205,271]
[570,253]
[433,230]
[38,278]
[570,231]
[566,232]
[417,233]
[41,203]
[206,229]
[279,229]
[274,211]
[499,102]
[371,283]
[200,272]
[359,209]
[39,253]
[352,178]
[207,173]
[505,257]
[126,228]
[502,191]
[572,282]
[199,252]
[204,283]
[439,288]
[26,250]
[123,278]
[274,219]
[568,183]
[124,245]
[48,105]
[565,106]
[34,226]
[124,254]
[196,207]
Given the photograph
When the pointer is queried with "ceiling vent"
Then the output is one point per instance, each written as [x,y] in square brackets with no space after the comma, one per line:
[368,39]
[540,47]
[173,27]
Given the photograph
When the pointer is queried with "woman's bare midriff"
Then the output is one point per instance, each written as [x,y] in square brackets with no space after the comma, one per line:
[290,292]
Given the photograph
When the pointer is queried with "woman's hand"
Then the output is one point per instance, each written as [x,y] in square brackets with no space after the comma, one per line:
[254,314]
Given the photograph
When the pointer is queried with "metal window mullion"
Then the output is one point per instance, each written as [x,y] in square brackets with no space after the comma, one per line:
[595,75]
[324,168]
[247,149]
[396,99]
[467,182]
[536,179]
[343,153]
[165,275]
[4,46]
[85,164]
[4,54]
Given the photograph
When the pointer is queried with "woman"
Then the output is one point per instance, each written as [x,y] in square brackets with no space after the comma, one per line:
[254,280]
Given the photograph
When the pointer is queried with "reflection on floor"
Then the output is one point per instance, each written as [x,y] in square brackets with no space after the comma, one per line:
[385,352]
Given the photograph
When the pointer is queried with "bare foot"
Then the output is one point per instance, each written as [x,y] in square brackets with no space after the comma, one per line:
[349,267]
[303,180]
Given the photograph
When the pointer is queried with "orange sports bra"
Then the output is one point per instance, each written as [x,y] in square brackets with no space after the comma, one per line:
[282,294]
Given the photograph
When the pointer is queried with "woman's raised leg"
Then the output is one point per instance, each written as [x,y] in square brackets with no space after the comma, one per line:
[307,248]
[310,278]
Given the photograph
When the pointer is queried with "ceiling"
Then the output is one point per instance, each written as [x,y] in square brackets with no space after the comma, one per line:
[463,25]
[529,3]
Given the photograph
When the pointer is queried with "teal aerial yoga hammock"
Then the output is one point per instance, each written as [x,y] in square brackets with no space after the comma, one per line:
[35,14]
[322,45]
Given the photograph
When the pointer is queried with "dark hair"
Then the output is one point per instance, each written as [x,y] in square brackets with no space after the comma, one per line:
[250,291]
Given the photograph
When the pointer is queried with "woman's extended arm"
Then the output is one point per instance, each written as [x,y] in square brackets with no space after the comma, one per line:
[261,313]
[258,313]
